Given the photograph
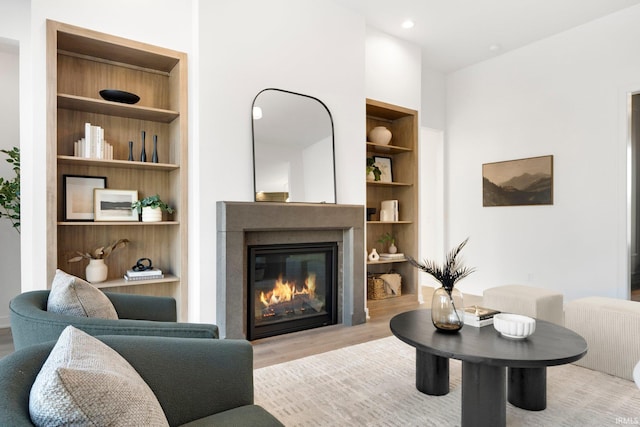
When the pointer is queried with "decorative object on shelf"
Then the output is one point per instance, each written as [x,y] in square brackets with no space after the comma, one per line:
[143,270]
[93,145]
[77,193]
[386,171]
[97,271]
[373,171]
[114,205]
[388,239]
[514,326]
[131,159]
[374,256]
[389,211]
[119,96]
[154,156]
[447,309]
[518,182]
[10,190]
[380,135]
[151,208]
[143,153]
[370,213]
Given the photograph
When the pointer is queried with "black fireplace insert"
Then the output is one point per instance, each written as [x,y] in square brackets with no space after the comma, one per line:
[291,287]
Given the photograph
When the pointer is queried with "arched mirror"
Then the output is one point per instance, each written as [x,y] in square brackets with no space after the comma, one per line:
[293,158]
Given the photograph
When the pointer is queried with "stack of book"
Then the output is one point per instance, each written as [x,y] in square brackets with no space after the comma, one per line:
[388,257]
[93,145]
[479,316]
[152,274]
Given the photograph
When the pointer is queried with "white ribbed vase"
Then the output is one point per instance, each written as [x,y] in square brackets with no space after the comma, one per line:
[150,214]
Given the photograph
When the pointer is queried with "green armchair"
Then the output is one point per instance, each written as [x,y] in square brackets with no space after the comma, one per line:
[31,323]
[197,382]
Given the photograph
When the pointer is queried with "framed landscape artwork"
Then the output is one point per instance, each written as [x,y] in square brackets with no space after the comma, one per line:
[518,182]
[114,205]
[78,196]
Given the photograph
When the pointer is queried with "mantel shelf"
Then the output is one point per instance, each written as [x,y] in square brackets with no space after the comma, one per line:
[116,223]
[386,149]
[168,278]
[72,160]
[389,184]
[94,105]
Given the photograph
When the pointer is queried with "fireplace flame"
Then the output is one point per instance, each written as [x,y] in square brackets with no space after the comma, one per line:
[284,291]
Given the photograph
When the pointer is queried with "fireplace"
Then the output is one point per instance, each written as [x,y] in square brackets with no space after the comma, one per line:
[244,225]
[291,288]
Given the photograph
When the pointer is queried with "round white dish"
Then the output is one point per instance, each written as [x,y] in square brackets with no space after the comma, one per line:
[514,326]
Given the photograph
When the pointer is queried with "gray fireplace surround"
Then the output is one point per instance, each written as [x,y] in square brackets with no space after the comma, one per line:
[240,224]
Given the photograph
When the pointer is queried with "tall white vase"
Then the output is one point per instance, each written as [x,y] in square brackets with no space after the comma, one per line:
[96,271]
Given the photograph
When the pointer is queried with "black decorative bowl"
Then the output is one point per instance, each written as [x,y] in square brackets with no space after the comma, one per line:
[119,96]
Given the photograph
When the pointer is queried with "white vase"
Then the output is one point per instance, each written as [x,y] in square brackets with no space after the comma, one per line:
[374,255]
[150,214]
[96,271]
[380,135]
[393,249]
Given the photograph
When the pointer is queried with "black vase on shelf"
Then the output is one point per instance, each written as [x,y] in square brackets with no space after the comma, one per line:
[154,156]
[130,151]
[143,154]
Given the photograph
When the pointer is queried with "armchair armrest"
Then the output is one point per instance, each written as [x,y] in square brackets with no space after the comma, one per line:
[143,307]
[191,378]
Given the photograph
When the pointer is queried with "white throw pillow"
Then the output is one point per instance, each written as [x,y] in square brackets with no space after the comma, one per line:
[86,382]
[73,296]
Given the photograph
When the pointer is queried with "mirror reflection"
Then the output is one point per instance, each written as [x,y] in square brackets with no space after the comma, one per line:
[292,148]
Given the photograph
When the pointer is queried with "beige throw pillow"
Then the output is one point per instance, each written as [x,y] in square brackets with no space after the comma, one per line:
[73,296]
[86,382]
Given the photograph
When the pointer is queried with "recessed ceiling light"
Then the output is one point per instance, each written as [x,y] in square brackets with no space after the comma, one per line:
[408,24]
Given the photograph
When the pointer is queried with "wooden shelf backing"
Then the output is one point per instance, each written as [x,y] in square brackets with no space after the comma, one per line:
[81,161]
[386,149]
[99,106]
[168,278]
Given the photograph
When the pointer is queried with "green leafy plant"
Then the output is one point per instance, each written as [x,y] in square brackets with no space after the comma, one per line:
[101,252]
[10,190]
[387,239]
[449,273]
[151,202]
[373,167]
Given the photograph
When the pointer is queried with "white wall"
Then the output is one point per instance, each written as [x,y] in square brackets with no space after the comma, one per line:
[393,70]
[10,131]
[304,46]
[563,96]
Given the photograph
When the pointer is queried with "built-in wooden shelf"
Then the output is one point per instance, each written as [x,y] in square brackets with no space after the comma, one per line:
[125,164]
[99,106]
[386,261]
[116,223]
[389,184]
[389,222]
[168,278]
[386,149]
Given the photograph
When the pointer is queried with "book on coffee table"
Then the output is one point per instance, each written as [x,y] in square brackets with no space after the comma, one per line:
[479,316]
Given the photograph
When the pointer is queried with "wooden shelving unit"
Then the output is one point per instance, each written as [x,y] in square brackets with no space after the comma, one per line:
[403,150]
[80,63]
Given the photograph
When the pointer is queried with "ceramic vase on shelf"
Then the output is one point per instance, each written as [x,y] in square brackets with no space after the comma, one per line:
[374,255]
[447,309]
[380,135]
[150,214]
[154,156]
[143,153]
[96,271]
[393,249]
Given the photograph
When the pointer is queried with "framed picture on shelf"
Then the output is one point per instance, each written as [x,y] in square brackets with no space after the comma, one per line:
[77,191]
[114,205]
[384,164]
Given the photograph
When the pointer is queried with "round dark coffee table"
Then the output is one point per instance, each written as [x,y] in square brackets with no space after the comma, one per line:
[486,356]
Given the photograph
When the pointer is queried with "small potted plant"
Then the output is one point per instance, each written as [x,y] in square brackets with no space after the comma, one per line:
[373,171]
[97,270]
[10,190]
[151,208]
[388,239]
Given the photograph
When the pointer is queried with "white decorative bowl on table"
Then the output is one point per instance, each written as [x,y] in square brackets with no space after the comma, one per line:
[514,325]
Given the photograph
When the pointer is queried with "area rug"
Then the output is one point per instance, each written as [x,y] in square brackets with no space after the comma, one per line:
[373,384]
